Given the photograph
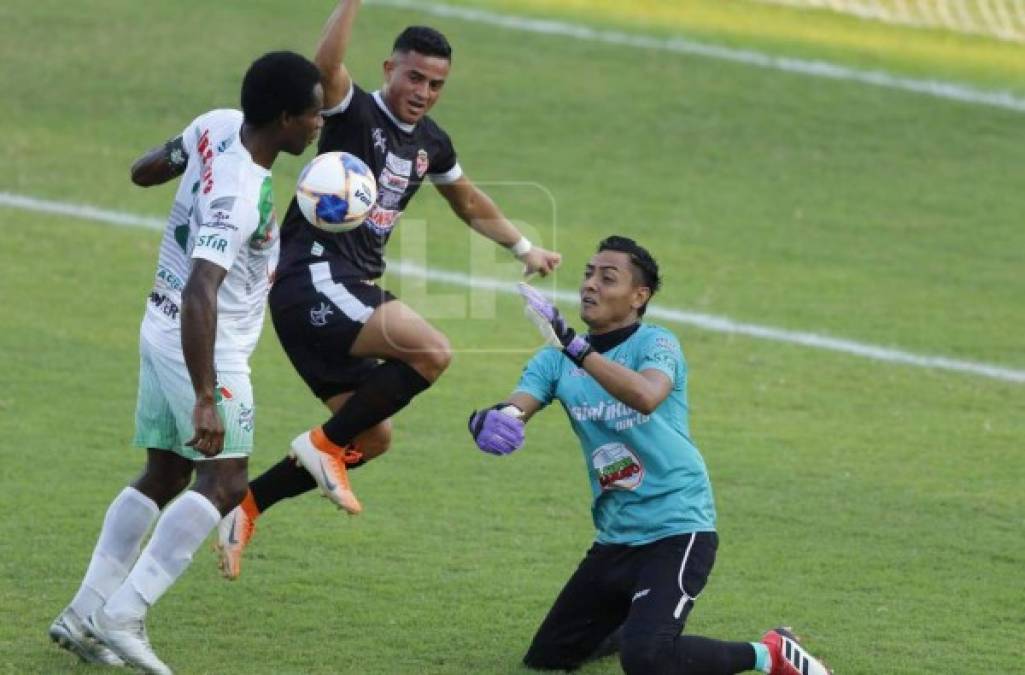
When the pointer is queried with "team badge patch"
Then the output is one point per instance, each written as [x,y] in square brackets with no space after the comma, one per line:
[380,142]
[422,162]
[318,315]
[617,467]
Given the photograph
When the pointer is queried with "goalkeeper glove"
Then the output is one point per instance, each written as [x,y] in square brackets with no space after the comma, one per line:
[553,327]
[497,430]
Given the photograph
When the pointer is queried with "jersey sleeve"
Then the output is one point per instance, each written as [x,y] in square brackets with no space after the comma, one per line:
[227,219]
[344,104]
[190,136]
[661,351]
[540,376]
[444,168]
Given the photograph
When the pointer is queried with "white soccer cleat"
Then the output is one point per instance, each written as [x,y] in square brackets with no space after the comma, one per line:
[69,632]
[326,463]
[128,640]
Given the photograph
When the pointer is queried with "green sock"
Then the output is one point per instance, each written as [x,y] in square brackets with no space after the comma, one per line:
[763,661]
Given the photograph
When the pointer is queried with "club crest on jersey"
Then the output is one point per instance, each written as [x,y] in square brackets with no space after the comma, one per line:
[318,315]
[246,416]
[422,162]
[398,165]
[617,467]
[380,142]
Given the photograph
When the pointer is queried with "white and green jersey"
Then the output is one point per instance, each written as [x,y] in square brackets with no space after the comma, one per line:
[223,212]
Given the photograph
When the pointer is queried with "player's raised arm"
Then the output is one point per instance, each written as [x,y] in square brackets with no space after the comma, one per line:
[643,391]
[481,213]
[161,164]
[330,57]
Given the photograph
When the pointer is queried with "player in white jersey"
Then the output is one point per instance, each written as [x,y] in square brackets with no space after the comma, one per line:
[195,406]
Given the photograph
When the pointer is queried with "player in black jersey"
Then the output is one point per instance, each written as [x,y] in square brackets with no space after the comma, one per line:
[361,351]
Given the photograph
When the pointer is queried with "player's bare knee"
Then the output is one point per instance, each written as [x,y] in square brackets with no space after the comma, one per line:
[434,357]
[223,484]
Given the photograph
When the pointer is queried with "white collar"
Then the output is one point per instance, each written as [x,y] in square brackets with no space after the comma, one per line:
[408,128]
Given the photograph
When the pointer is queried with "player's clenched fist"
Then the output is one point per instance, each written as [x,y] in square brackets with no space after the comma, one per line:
[497,430]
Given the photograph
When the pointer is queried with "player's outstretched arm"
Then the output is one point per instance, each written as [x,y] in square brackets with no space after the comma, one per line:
[643,391]
[480,212]
[330,57]
[498,430]
[161,164]
[199,331]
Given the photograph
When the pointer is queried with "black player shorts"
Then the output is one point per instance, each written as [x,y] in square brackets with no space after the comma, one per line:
[643,591]
[317,318]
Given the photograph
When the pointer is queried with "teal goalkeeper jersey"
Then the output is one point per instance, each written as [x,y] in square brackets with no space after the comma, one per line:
[647,477]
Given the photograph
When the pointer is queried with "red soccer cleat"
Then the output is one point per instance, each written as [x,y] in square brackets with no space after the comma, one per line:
[789,657]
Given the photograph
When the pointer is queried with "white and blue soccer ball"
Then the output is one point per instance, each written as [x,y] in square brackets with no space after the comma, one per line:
[336,191]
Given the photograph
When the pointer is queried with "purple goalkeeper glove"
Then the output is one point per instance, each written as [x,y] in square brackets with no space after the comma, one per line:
[553,327]
[497,430]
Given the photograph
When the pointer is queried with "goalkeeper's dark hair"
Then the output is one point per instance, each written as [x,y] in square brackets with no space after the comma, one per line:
[278,82]
[645,268]
[423,40]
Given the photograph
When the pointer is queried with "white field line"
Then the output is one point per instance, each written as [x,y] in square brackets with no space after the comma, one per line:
[937,88]
[719,324]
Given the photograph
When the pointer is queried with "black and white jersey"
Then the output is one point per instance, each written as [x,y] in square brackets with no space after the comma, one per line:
[400,155]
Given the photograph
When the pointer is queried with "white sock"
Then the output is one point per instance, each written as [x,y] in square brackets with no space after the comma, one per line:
[128,518]
[177,536]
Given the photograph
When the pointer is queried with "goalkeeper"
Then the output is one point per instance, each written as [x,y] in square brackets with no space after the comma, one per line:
[623,386]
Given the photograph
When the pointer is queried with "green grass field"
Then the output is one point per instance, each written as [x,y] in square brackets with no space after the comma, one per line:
[875,507]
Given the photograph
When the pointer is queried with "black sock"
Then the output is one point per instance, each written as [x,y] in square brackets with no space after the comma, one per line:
[283,480]
[387,390]
[696,654]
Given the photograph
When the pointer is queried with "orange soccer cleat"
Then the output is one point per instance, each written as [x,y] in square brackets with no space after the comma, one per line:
[326,463]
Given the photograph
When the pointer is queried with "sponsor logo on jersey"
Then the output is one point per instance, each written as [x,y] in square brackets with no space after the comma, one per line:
[223,204]
[389,199]
[381,221]
[389,181]
[318,315]
[212,241]
[400,166]
[422,162]
[170,278]
[164,304]
[317,249]
[206,156]
[380,142]
[668,344]
[222,393]
[617,467]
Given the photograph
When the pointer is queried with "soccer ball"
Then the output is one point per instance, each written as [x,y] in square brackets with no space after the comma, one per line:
[336,191]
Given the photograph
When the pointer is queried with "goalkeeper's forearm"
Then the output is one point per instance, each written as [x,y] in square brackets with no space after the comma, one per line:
[641,391]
